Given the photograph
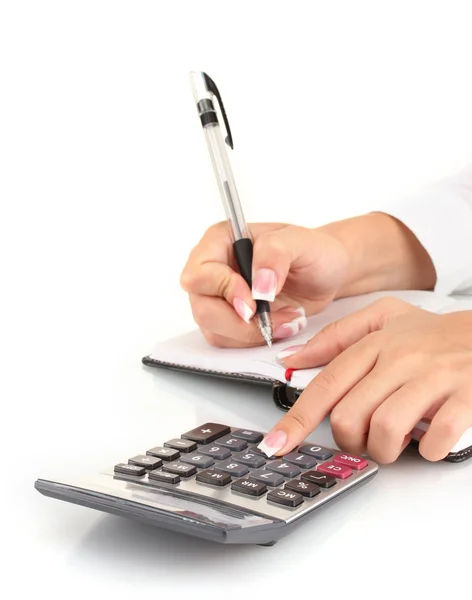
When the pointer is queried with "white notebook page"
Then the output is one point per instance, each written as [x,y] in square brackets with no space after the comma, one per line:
[192,350]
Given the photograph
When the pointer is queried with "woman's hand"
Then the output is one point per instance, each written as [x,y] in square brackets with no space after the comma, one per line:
[300,270]
[388,366]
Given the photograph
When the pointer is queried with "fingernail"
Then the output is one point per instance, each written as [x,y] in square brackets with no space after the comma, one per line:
[299,311]
[273,442]
[264,285]
[286,352]
[243,309]
[289,329]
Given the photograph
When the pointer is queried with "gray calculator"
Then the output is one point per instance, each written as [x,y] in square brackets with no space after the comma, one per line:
[214,483]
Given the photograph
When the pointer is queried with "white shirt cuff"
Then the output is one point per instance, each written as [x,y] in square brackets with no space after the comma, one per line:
[440,216]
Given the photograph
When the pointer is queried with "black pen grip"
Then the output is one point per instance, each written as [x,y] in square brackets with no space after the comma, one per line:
[243,250]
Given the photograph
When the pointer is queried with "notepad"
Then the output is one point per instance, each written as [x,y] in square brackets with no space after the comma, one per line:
[191,352]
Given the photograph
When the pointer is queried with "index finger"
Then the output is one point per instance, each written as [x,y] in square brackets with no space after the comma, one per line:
[320,397]
[216,243]
[211,268]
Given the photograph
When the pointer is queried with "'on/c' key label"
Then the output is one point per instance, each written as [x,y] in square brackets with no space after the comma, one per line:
[355,462]
[338,471]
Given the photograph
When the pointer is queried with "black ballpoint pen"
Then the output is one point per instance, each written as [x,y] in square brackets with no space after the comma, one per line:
[204,91]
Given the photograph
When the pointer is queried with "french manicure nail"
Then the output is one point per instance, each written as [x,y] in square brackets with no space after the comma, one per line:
[264,285]
[299,310]
[289,329]
[286,330]
[286,352]
[273,442]
[302,322]
[243,309]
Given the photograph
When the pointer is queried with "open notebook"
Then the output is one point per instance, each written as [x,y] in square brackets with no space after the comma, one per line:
[191,352]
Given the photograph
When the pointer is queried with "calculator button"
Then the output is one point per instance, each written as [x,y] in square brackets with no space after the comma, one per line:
[260,452]
[303,487]
[285,497]
[182,445]
[355,462]
[338,471]
[213,477]
[284,468]
[164,453]
[251,488]
[148,462]
[232,467]
[179,468]
[163,476]
[199,460]
[304,461]
[253,437]
[267,477]
[323,481]
[233,443]
[315,451]
[129,469]
[250,459]
[215,451]
[206,433]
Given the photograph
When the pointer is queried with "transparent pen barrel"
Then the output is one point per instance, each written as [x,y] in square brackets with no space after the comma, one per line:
[224,176]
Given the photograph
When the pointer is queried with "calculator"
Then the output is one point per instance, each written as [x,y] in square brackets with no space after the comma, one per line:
[213,482]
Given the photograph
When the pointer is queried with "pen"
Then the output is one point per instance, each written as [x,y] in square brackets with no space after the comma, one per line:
[204,91]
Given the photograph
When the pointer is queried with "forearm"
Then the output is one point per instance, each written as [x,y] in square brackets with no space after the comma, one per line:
[384,255]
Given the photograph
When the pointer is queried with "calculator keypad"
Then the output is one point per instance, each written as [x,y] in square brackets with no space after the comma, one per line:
[215,456]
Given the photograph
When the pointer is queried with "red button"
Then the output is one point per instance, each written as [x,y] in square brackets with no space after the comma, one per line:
[338,471]
[355,462]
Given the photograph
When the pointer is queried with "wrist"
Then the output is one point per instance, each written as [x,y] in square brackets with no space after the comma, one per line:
[383,255]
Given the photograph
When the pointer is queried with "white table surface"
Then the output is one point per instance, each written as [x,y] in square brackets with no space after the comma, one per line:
[105,188]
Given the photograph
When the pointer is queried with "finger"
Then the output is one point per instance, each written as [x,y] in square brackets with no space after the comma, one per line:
[225,329]
[343,333]
[397,416]
[448,425]
[320,396]
[211,268]
[218,280]
[278,252]
[351,417]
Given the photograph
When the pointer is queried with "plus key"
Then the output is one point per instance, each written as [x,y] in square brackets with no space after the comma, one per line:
[206,433]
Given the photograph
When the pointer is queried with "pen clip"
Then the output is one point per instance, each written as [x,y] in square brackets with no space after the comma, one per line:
[211,86]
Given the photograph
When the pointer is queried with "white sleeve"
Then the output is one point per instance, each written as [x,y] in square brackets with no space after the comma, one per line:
[441,218]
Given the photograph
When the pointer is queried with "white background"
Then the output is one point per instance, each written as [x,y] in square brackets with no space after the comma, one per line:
[105,185]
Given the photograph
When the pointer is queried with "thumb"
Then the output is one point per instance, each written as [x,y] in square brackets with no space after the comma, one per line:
[339,335]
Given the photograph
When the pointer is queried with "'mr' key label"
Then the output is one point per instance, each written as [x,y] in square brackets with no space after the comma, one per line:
[248,487]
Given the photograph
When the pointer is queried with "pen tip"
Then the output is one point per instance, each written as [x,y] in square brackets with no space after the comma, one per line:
[267,337]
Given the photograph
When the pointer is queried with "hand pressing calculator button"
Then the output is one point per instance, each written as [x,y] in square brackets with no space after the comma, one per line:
[210,484]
